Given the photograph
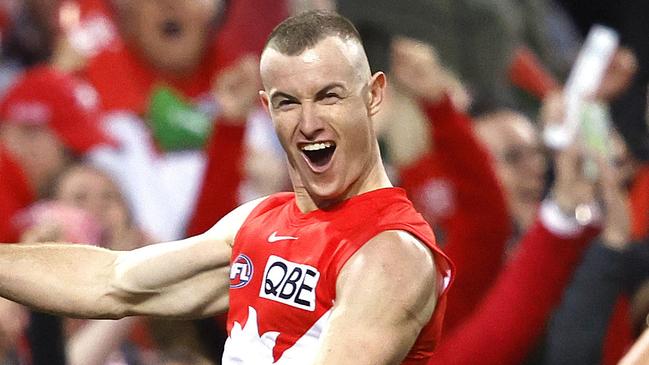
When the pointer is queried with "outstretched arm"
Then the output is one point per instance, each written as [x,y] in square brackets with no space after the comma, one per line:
[182,279]
[386,293]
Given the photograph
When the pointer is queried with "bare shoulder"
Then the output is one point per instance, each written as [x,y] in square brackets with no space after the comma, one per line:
[396,250]
[393,262]
[227,227]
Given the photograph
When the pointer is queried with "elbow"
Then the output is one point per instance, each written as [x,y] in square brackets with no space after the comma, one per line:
[125,295]
[120,295]
[112,304]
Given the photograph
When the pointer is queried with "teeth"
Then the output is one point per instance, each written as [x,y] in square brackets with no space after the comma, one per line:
[317,146]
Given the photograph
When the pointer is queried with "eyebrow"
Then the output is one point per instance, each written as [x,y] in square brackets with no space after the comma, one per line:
[280,94]
[328,88]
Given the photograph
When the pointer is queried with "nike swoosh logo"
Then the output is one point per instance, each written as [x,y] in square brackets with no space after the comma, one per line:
[274,237]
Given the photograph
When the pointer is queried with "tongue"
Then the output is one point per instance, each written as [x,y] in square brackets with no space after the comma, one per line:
[321,157]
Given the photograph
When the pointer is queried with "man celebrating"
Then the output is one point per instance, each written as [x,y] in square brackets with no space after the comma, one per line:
[341,271]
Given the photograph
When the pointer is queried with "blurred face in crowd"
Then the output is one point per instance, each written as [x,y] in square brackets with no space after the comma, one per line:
[92,190]
[171,34]
[321,102]
[514,143]
[38,150]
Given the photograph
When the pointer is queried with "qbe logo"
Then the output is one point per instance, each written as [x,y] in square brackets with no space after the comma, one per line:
[241,271]
[290,283]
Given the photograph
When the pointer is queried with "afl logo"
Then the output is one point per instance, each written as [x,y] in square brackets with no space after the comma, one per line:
[241,271]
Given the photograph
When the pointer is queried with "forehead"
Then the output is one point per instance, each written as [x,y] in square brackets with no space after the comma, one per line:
[24,127]
[508,129]
[331,60]
[83,176]
[202,8]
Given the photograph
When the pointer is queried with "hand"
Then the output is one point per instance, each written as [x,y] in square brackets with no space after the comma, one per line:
[237,89]
[416,68]
[552,111]
[571,188]
[619,73]
[617,221]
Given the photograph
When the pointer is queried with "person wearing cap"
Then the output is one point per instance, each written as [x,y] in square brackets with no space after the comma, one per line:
[47,118]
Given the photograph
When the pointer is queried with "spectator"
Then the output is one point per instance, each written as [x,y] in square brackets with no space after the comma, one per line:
[619,267]
[89,188]
[513,141]
[552,242]
[47,119]
[452,183]
[482,291]
[169,105]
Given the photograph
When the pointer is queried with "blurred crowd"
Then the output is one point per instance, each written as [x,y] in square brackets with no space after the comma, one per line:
[127,122]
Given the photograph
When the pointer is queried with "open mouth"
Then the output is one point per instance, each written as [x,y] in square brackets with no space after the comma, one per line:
[171,28]
[318,154]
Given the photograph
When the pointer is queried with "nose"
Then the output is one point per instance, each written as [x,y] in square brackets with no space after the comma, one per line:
[310,124]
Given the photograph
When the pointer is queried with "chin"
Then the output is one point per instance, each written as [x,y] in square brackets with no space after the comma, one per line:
[326,192]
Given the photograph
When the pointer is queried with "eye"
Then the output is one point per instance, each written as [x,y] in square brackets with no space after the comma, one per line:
[284,104]
[330,98]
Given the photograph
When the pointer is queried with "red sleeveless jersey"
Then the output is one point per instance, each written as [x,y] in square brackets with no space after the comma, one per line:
[284,268]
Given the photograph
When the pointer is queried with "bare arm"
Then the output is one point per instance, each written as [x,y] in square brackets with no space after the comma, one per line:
[182,279]
[386,293]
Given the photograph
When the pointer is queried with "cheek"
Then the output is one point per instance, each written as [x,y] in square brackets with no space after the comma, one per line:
[49,153]
[508,177]
[285,125]
[358,131]
[114,215]
[52,146]
[142,18]
[201,13]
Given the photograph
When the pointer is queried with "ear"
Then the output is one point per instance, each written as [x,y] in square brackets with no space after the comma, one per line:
[264,100]
[378,83]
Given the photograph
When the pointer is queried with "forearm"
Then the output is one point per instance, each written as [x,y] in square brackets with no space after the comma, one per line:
[71,280]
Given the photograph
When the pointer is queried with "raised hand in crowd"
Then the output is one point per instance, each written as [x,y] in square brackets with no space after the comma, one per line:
[619,74]
[614,192]
[416,68]
[236,89]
